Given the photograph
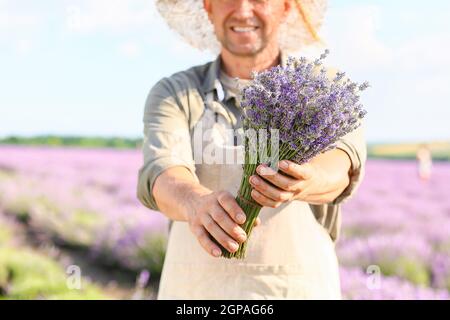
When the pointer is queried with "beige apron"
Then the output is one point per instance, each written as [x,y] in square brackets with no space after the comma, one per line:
[289,256]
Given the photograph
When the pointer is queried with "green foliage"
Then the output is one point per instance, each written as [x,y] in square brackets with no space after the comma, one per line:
[5,233]
[25,274]
[154,258]
[400,151]
[86,219]
[408,269]
[87,142]
[407,151]
[19,207]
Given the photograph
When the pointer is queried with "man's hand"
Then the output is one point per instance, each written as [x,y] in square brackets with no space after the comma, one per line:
[318,182]
[219,215]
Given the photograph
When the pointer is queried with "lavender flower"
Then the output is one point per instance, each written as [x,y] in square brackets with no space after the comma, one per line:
[356,285]
[391,202]
[309,112]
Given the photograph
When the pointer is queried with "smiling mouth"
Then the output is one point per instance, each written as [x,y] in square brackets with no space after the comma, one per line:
[244,30]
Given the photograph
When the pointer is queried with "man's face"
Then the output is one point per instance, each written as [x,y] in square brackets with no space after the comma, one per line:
[246,27]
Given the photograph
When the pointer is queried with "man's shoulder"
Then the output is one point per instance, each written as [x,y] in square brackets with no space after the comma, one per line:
[185,80]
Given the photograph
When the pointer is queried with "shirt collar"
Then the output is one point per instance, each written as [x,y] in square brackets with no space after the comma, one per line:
[212,82]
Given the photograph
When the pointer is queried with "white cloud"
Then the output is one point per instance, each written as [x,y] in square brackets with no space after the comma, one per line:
[24,46]
[351,33]
[407,64]
[14,18]
[13,21]
[19,27]
[130,49]
[108,15]
[357,36]
[429,52]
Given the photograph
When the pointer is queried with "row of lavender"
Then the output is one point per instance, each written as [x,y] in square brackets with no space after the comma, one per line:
[395,242]
[398,225]
[84,199]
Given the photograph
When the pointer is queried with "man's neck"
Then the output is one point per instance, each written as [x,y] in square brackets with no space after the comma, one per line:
[242,67]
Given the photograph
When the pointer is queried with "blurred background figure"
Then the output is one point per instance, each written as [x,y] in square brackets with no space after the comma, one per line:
[424,162]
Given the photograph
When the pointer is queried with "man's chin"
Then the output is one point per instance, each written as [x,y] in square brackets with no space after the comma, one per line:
[244,51]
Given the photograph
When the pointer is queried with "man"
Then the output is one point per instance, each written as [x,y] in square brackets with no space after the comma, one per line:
[291,253]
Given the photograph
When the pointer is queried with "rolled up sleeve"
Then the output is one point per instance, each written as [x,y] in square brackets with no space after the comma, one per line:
[166,141]
[354,145]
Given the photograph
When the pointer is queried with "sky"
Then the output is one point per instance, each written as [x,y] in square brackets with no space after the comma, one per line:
[85,67]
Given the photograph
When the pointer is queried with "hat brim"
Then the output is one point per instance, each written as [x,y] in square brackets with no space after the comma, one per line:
[189,19]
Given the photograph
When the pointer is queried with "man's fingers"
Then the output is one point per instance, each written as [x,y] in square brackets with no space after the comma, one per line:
[229,204]
[303,172]
[263,200]
[270,191]
[217,233]
[223,219]
[277,179]
[205,241]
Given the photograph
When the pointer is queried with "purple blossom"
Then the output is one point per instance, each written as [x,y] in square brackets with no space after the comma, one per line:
[84,198]
[392,204]
[310,110]
[358,285]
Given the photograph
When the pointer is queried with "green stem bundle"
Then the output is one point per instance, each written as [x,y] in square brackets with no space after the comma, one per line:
[244,198]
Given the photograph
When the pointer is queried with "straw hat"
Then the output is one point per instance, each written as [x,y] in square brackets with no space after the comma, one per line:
[189,19]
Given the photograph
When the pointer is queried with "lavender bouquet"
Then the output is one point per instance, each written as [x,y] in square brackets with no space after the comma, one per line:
[300,109]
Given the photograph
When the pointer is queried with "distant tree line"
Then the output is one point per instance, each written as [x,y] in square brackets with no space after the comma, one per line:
[88,142]
[397,152]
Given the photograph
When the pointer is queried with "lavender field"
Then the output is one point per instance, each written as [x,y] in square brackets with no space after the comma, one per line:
[395,242]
